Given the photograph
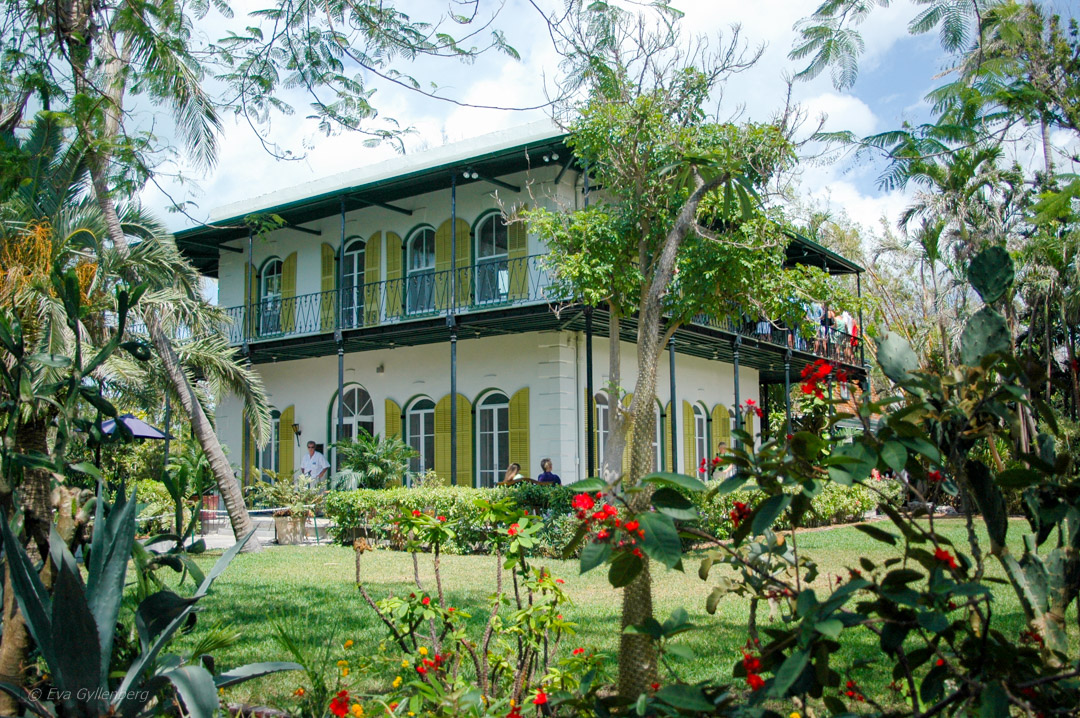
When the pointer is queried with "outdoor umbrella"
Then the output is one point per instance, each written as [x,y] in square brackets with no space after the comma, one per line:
[139,429]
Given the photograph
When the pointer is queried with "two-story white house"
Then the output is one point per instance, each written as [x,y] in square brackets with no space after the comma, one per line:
[396,299]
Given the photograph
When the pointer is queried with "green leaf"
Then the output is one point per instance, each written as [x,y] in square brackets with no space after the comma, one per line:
[593,554]
[830,628]
[685,698]
[807,445]
[156,612]
[894,455]
[196,686]
[788,672]
[137,349]
[730,485]
[767,512]
[991,273]
[78,662]
[1018,478]
[682,481]
[625,567]
[862,460]
[661,541]
[680,651]
[253,670]
[713,600]
[877,534]
[671,502]
[993,702]
[588,485]
[54,361]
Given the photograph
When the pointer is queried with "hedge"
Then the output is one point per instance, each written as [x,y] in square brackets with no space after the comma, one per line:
[372,512]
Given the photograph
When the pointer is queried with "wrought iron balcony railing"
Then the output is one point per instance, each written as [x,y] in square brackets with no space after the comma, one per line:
[484,286]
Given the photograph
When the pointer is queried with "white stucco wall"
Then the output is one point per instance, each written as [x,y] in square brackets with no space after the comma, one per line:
[551,364]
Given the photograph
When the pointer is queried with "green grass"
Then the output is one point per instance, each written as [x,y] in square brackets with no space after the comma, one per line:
[312,590]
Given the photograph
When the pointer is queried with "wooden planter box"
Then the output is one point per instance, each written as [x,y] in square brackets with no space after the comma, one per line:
[290,530]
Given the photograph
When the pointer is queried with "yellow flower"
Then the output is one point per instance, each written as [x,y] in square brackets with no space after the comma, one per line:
[423,651]
[404,664]
[794,714]
[349,643]
[357,710]
[410,713]
[397,682]
[221,691]
[344,672]
[342,663]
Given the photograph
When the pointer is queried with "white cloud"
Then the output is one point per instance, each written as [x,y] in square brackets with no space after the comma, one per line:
[840,112]
[869,211]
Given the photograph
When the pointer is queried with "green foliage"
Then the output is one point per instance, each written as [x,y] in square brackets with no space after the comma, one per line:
[288,496]
[372,462]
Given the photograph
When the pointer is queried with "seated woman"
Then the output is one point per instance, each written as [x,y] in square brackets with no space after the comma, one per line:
[546,476]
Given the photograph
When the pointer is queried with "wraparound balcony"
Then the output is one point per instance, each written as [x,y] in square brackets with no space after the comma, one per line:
[486,289]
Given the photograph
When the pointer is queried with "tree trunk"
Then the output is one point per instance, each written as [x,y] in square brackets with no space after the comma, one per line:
[200,423]
[35,492]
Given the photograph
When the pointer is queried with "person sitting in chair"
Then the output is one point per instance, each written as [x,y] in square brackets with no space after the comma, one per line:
[546,476]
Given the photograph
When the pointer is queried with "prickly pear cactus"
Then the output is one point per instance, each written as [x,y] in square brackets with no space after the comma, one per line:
[991,273]
[986,332]
[896,358]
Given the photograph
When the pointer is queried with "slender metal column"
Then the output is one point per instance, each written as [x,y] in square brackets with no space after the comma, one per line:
[787,390]
[453,405]
[249,323]
[738,402]
[862,329]
[590,430]
[168,426]
[674,408]
[452,323]
[338,335]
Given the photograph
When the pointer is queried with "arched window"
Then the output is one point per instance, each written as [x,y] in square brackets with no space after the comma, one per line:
[603,427]
[267,458]
[420,264]
[352,284]
[701,436]
[359,413]
[492,269]
[270,297]
[420,434]
[493,438]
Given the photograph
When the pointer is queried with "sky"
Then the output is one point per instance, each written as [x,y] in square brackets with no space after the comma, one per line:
[896,71]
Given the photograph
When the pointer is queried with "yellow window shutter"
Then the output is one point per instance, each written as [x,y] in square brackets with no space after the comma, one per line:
[288,293]
[442,438]
[627,450]
[464,442]
[395,285]
[517,240]
[372,285]
[286,442]
[689,434]
[326,286]
[393,419]
[442,264]
[669,463]
[721,427]
[748,427]
[463,262]
[519,430]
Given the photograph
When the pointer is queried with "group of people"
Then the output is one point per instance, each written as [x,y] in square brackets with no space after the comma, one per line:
[547,476]
[838,331]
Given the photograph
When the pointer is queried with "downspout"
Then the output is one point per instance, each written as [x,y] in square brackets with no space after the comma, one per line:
[450,322]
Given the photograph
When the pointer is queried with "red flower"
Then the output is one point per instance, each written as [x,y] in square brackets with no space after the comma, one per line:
[631,526]
[578,651]
[425,600]
[934,476]
[755,682]
[759,412]
[442,519]
[339,706]
[610,510]
[939,662]
[715,461]
[808,388]
[655,687]
[513,530]
[541,697]
[789,437]
[451,609]
[739,513]
[841,376]
[583,502]
[637,552]
[701,466]
[750,403]
[945,557]
[602,534]
[559,580]
[421,670]
[600,515]
[751,663]
[416,512]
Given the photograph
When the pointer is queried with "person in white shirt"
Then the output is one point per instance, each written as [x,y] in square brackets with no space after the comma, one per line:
[314,466]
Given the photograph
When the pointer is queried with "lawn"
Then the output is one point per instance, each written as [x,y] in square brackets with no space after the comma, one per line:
[312,591]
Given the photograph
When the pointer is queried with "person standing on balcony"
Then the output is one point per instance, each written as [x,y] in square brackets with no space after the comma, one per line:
[314,466]
[546,476]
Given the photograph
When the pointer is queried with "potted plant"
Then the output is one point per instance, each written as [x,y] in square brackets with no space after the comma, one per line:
[372,462]
[294,502]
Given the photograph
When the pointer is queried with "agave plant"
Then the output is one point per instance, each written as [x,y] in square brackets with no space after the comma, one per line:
[74,628]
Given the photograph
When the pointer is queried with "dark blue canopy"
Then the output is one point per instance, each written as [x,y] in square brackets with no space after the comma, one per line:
[138,428]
